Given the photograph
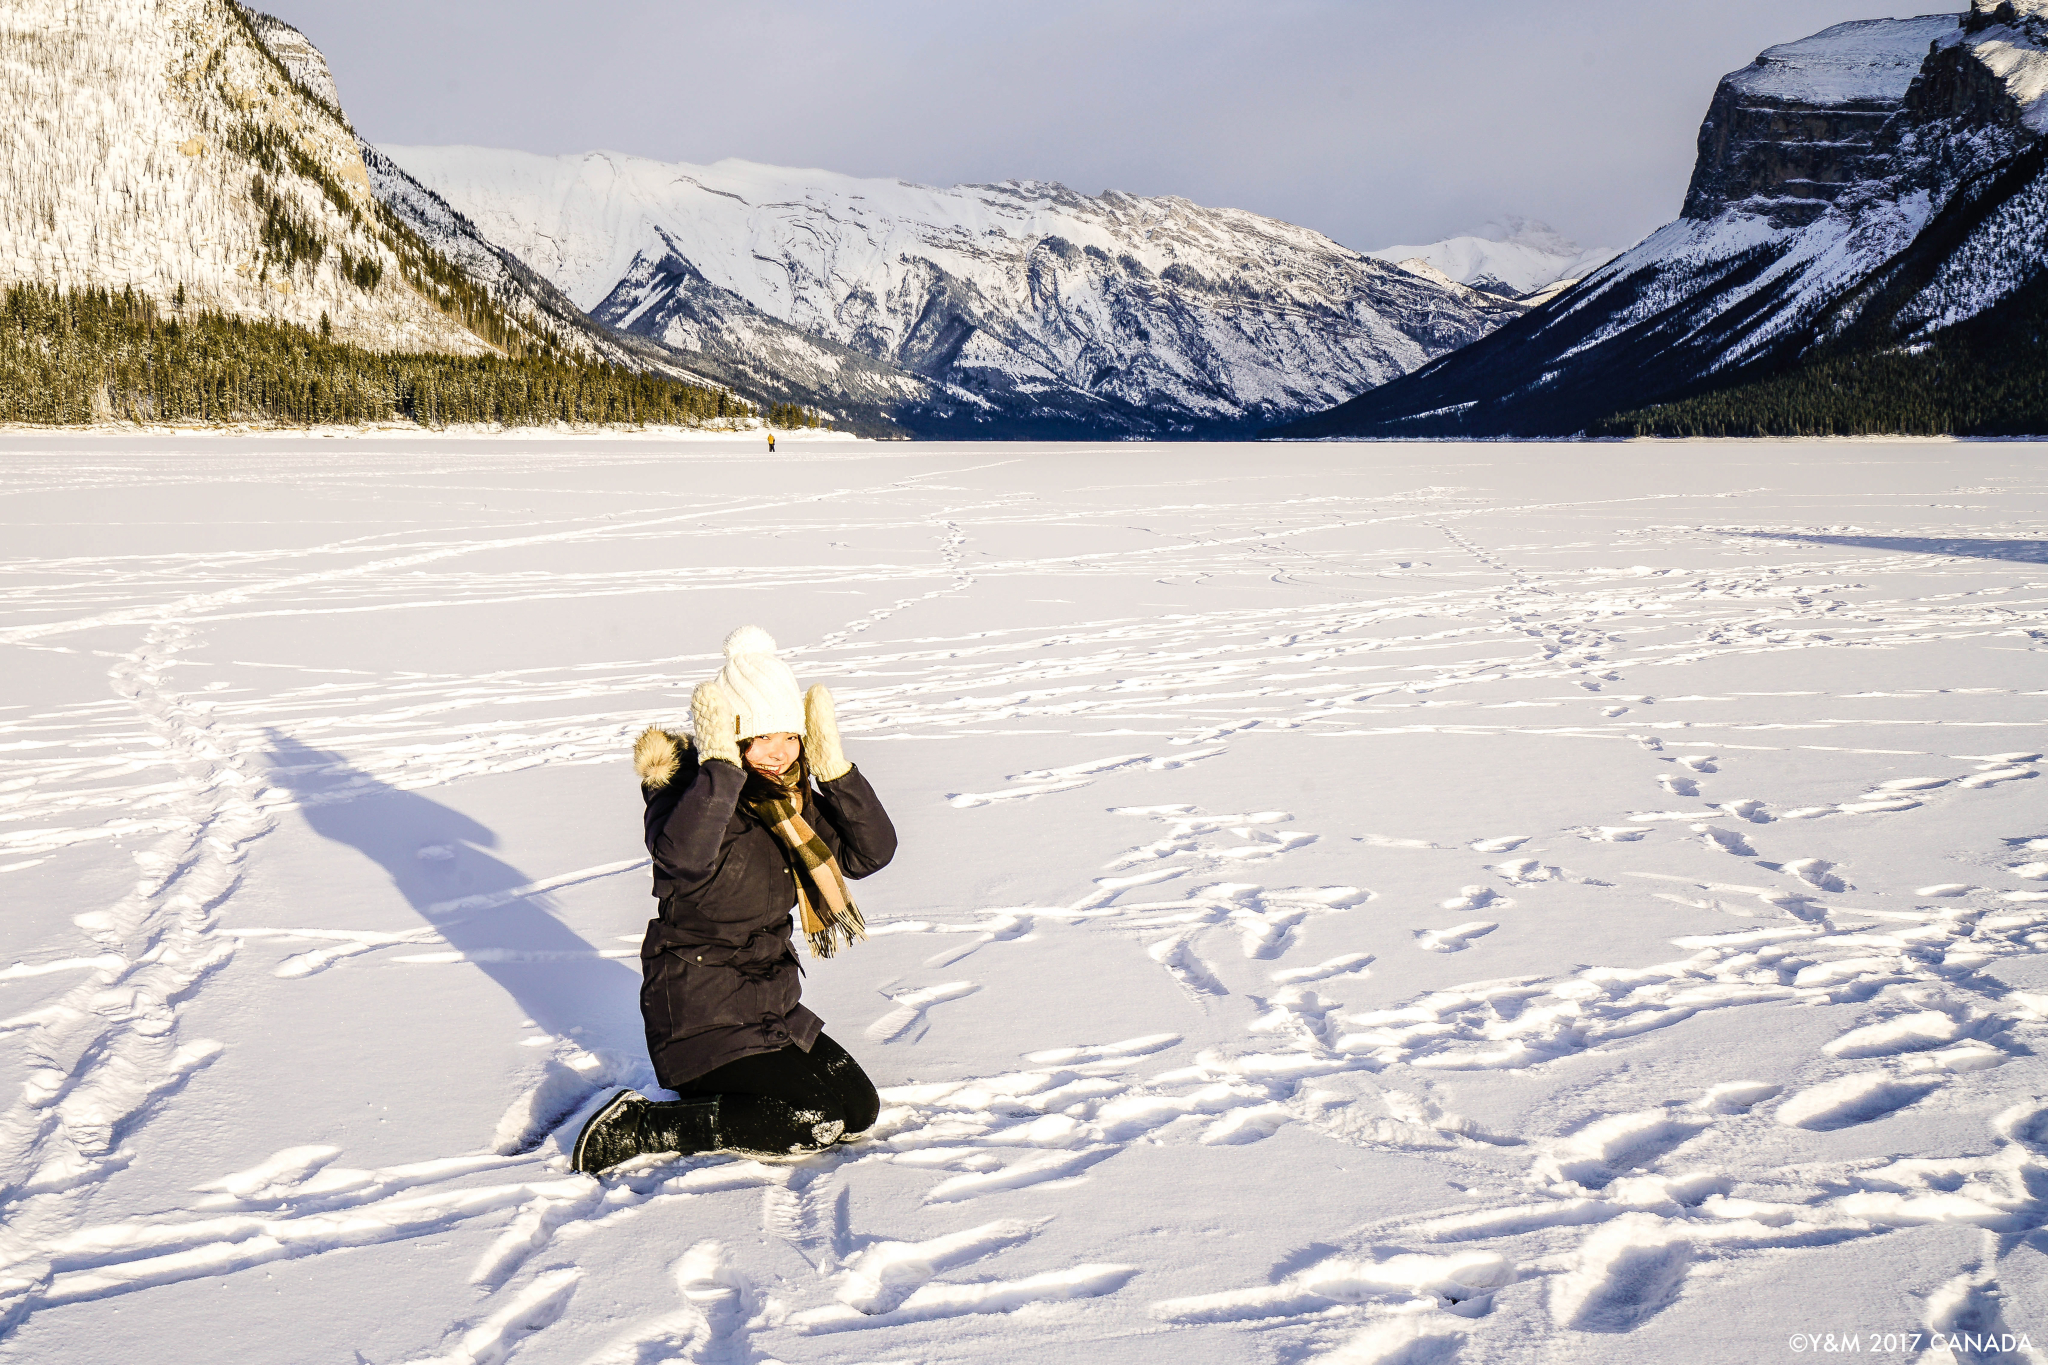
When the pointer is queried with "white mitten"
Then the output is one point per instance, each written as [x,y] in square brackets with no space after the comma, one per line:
[821,737]
[716,721]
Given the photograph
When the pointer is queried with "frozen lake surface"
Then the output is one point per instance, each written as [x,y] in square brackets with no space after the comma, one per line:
[1399,904]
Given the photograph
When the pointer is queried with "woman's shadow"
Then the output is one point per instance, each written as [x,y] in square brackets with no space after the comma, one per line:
[435,858]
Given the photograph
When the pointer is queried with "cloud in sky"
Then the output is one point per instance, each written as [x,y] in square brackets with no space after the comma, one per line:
[1369,120]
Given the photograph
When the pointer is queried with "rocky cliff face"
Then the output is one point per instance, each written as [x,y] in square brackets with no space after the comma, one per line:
[1869,185]
[975,310]
[1809,121]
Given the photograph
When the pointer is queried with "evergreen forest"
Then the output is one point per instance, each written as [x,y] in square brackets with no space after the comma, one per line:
[77,356]
[1985,377]
[793,417]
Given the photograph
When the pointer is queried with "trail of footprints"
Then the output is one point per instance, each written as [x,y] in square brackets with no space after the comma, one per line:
[1652,1215]
[1656,1217]
[1215,672]
[1609,1219]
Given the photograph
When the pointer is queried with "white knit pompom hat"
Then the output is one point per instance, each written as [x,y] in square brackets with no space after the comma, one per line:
[763,690]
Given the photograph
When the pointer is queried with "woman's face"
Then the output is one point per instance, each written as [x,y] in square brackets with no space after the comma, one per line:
[771,755]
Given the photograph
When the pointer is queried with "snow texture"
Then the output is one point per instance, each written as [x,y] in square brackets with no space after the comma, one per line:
[1363,904]
[1865,60]
[306,63]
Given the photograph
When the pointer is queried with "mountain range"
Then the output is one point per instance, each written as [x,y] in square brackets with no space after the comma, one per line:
[1860,249]
[194,156]
[976,310]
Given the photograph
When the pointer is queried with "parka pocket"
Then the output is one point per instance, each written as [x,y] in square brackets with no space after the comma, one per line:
[689,996]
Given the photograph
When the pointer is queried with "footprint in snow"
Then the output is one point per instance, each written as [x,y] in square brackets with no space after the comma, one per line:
[1348,965]
[884,1275]
[1455,939]
[1610,834]
[1921,1032]
[1626,1273]
[718,1306]
[1476,898]
[1851,1100]
[1727,840]
[1098,1052]
[1530,871]
[1607,1148]
[1736,1097]
[1818,873]
[910,1009]
[1911,784]
[1749,808]
[2026,1124]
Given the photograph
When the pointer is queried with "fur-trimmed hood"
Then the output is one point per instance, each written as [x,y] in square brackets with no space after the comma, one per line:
[658,755]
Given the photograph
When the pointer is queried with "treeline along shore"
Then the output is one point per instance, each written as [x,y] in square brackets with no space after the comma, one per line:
[77,356]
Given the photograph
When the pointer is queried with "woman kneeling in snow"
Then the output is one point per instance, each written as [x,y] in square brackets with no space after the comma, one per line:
[738,832]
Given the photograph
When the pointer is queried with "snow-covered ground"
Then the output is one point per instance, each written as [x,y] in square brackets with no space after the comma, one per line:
[1364,903]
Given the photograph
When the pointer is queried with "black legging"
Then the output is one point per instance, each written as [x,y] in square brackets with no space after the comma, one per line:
[825,1081]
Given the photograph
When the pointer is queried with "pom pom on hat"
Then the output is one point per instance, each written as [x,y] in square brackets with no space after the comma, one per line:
[763,690]
[749,640]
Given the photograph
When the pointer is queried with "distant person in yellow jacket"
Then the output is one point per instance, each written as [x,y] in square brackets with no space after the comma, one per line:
[771,443]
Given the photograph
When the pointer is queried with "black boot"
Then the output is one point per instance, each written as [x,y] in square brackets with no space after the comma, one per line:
[753,1125]
[759,1125]
[630,1125]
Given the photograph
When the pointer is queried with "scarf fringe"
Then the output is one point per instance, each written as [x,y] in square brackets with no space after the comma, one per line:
[828,939]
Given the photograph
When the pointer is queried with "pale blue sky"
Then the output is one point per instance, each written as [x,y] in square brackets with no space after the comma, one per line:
[1375,121]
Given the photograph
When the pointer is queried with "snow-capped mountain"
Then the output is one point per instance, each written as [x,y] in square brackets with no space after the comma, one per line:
[979,309]
[162,147]
[1512,257]
[1870,185]
[196,150]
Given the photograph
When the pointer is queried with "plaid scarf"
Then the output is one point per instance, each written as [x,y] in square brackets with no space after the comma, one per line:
[830,919]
